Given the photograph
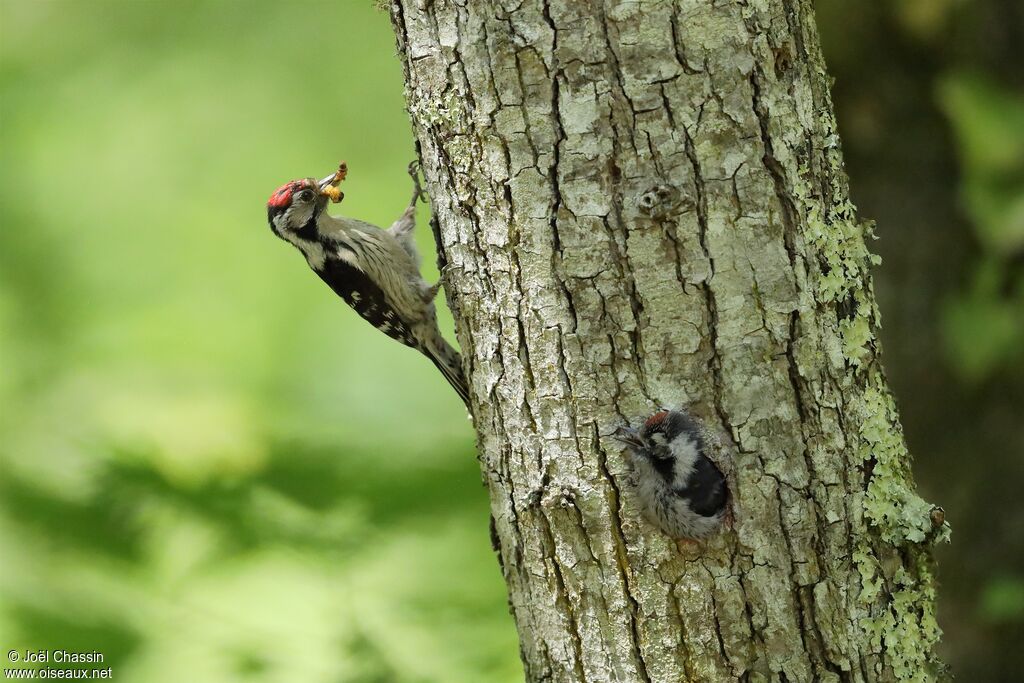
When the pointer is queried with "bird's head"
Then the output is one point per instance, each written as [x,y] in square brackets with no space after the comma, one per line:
[666,435]
[294,205]
[298,204]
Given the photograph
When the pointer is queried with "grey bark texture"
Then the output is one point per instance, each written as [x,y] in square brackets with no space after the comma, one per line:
[643,204]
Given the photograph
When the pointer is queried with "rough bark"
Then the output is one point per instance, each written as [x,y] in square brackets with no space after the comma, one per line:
[643,204]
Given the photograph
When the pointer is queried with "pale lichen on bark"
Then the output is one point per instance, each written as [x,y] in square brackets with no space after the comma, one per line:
[643,204]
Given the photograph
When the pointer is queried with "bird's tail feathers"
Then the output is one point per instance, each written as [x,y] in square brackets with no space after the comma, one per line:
[449,363]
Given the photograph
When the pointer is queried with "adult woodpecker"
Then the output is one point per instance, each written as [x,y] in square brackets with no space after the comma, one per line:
[375,271]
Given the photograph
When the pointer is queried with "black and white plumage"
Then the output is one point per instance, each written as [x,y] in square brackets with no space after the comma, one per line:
[374,271]
[680,489]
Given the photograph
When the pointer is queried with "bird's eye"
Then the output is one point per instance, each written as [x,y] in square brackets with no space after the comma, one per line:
[306,195]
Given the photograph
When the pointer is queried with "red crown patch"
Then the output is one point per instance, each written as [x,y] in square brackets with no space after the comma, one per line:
[655,419]
[282,196]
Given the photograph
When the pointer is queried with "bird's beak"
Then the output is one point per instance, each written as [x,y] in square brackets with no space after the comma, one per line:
[328,187]
[328,181]
[630,437]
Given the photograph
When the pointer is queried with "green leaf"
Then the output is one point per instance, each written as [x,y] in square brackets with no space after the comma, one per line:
[988,122]
[982,329]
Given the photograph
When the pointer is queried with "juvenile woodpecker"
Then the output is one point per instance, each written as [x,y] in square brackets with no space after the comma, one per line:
[375,271]
[680,489]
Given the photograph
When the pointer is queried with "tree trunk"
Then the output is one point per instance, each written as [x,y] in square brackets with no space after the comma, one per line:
[643,204]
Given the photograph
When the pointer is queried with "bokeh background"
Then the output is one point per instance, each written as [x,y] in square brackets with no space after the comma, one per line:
[211,471]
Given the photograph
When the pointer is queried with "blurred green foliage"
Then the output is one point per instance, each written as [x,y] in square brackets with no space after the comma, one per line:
[984,322]
[930,101]
[1003,599]
[201,474]
[988,121]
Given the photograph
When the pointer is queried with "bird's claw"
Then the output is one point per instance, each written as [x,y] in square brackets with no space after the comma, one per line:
[414,173]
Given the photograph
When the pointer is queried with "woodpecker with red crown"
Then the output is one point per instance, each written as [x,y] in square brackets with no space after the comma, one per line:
[375,271]
[681,490]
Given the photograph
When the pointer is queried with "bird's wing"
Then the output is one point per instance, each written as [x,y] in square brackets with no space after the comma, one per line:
[367,299]
[382,258]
